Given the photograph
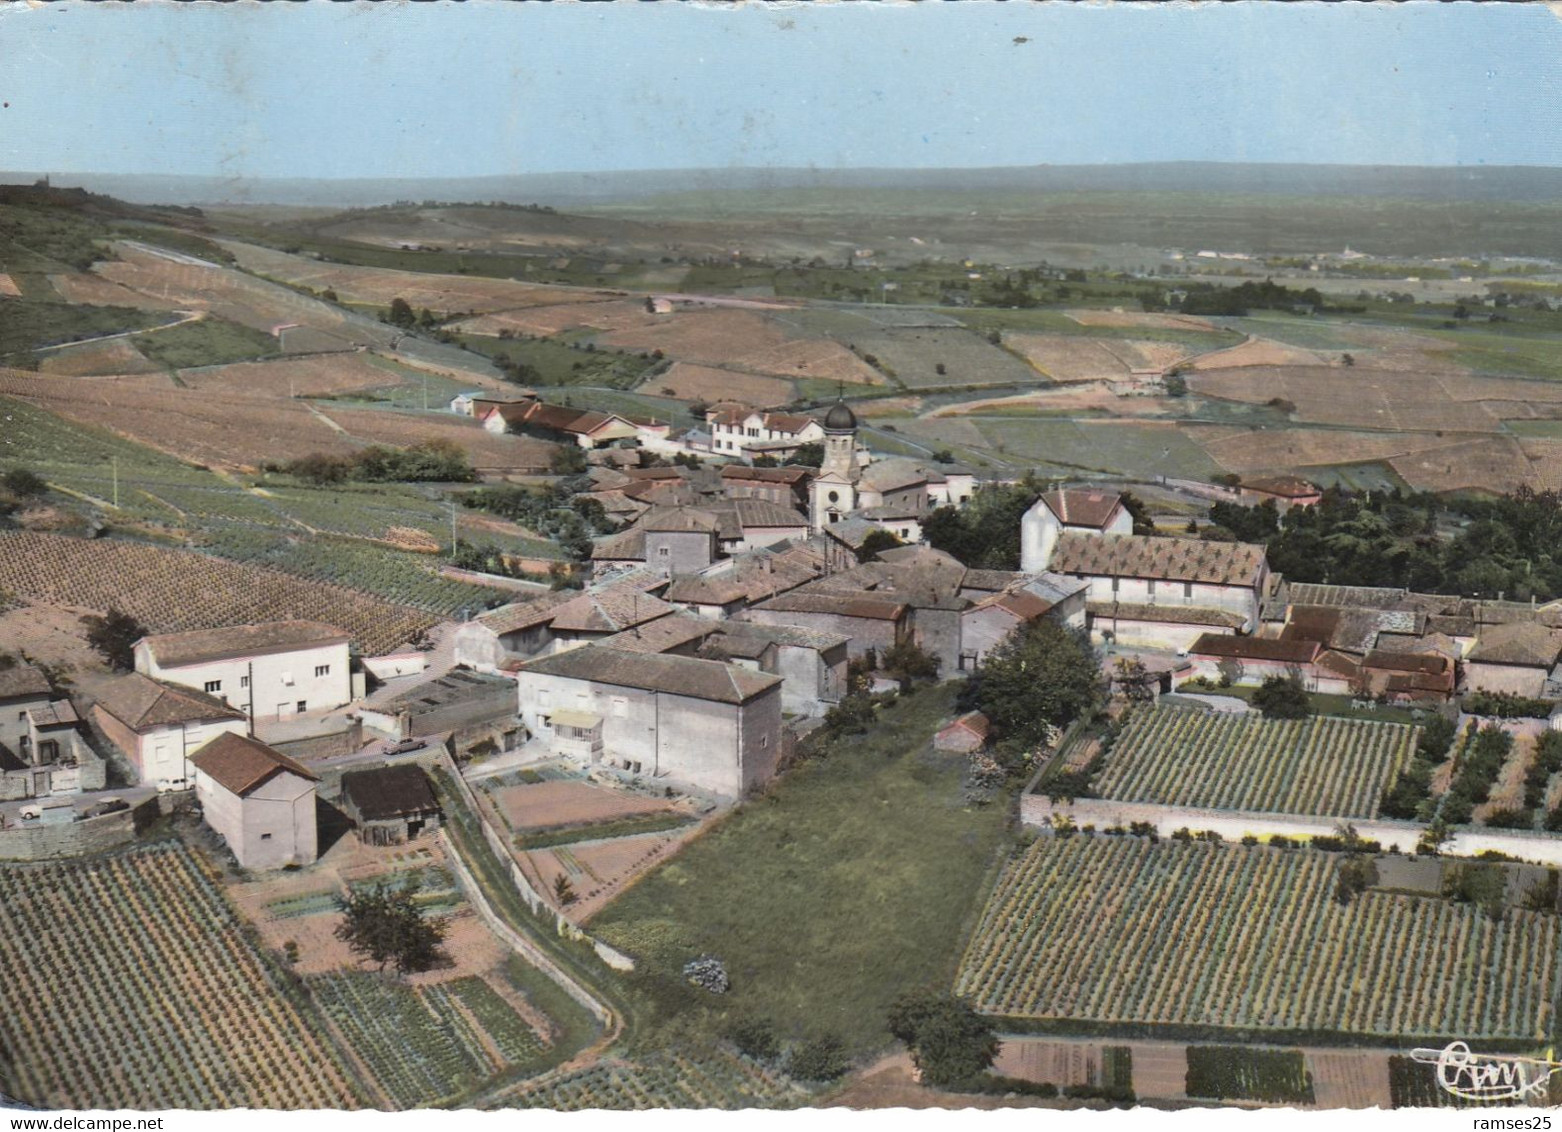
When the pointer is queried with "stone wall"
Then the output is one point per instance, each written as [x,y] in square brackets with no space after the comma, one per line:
[42,842]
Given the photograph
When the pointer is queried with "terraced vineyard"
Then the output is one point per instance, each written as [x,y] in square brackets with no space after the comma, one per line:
[1126,930]
[173,590]
[1215,760]
[127,982]
[425,1044]
[717,1079]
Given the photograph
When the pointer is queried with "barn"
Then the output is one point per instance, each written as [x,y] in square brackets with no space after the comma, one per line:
[390,805]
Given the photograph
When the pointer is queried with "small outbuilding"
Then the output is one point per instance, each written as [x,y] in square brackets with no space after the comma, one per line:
[390,805]
[966,734]
[261,802]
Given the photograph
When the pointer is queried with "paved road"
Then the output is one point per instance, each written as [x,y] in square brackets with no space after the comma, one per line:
[10,816]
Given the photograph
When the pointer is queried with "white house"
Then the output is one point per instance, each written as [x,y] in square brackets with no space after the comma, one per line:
[271,671]
[703,724]
[159,726]
[259,801]
[1068,510]
[746,433]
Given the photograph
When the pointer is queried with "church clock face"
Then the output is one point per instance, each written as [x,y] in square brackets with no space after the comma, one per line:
[835,497]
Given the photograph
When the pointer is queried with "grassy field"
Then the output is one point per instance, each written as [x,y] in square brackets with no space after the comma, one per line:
[557,363]
[30,324]
[1122,448]
[208,342]
[852,879]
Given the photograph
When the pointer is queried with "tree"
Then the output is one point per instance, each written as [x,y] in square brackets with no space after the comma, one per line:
[113,637]
[1176,384]
[23,483]
[876,540]
[755,1038]
[1231,671]
[952,1044]
[567,460]
[1143,524]
[907,662]
[1283,697]
[1133,680]
[1483,885]
[564,891]
[810,455]
[1043,675]
[401,313]
[385,925]
[818,1059]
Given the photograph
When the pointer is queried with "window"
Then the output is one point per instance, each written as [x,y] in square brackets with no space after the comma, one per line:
[1114,585]
[287,679]
[265,837]
[764,741]
[1150,587]
[244,681]
[1187,589]
[664,551]
[21,716]
[967,660]
[303,705]
[620,707]
[322,670]
[214,685]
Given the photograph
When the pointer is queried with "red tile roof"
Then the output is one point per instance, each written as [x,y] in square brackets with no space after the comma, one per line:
[242,765]
[1081,508]
[1256,648]
[173,650]
[1160,558]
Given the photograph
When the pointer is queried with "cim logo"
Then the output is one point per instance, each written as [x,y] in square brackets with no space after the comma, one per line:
[1489,1077]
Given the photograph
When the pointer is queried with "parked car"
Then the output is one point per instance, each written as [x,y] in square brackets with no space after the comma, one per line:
[174,785]
[31,813]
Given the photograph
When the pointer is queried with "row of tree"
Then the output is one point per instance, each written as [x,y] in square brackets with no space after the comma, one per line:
[432,461]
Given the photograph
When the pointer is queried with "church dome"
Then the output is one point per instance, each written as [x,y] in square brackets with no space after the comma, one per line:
[840,418]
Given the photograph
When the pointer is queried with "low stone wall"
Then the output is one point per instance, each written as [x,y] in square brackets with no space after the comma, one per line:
[1037,810]
[331,745]
[46,842]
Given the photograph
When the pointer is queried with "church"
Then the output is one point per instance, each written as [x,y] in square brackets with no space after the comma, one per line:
[833,493]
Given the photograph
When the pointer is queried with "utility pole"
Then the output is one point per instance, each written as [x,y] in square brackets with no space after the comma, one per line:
[452,530]
[425,392]
[114,461]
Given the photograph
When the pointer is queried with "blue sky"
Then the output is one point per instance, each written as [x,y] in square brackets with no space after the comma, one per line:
[441,90]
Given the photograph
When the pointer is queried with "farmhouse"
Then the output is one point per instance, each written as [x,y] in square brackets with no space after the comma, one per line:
[468,706]
[1285,491]
[554,622]
[786,487]
[390,805]
[1252,660]
[584,427]
[877,623]
[159,726]
[270,671]
[1144,570]
[811,664]
[1516,658]
[699,723]
[258,800]
[42,750]
[1069,510]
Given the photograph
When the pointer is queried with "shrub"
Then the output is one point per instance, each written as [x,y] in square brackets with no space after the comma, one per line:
[756,1038]
[818,1059]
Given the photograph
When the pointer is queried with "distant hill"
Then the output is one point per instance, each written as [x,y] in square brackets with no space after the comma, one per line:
[1451,184]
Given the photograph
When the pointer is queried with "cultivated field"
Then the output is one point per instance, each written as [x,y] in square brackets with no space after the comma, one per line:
[1216,760]
[585,312]
[173,590]
[94,359]
[1259,352]
[94,290]
[714,1079]
[488,452]
[377,286]
[689,382]
[1140,320]
[1070,358]
[745,340]
[1126,930]
[128,982]
[914,354]
[1141,448]
[323,376]
[556,803]
[1354,396]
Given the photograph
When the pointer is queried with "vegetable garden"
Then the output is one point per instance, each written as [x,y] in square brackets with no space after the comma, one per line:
[1131,931]
[1216,760]
[715,1079]
[1242,1073]
[429,1043]
[127,982]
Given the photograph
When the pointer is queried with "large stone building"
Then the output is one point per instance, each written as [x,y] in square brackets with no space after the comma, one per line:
[698,723]
[159,726]
[271,671]
[747,433]
[259,801]
[832,495]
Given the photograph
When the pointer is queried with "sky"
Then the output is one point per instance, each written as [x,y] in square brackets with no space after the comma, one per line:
[397,89]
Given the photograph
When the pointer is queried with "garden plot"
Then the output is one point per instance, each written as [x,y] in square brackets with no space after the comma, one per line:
[745,340]
[1072,358]
[560,803]
[913,356]
[1126,930]
[95,291]
[689,382]
[1252,450]
[597,870]
[1496,464]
